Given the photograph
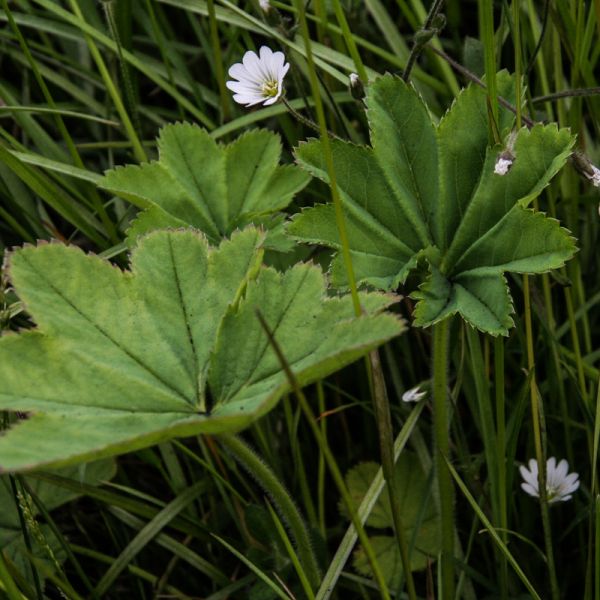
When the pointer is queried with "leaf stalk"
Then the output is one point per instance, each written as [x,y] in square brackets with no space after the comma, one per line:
[442,454]
[282,499]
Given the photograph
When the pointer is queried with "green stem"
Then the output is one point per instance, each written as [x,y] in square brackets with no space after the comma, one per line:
[442,454]
[124,66]
[305,120]
[217,58]
[292,419]
[536,414]
[576,343]
[8,585]
[490,529]
[386,445]
[26,537]
[597,546]
[310,595]
[138,149]
[516,5]
[486,24]
[593,559]
[282,499]
[335,194]
[501,457]
[409,430]
[350,43]
[384,420]
[43,87]
[330,460]
[417,46]
[321,464]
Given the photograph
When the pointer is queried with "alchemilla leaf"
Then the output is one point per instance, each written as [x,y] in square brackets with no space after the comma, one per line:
[123,359]
[420,517]
[427,191]
[200,183]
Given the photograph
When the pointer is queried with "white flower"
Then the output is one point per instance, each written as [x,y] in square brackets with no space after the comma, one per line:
[559,485]
[413,395]
[258,79]
[595,176]
[502,165]
[354,79]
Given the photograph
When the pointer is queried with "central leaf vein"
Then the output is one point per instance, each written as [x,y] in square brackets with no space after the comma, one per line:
[104,333]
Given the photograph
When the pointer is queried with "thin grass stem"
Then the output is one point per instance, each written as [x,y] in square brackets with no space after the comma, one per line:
[386,448]
[217,59]
[335,195]
[331,462]
[499,367]
[138,149]
[349,39]
[486,26]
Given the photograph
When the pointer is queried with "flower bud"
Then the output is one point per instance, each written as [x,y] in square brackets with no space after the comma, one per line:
[356,87]
[584,166]
[439,22]
[594,176]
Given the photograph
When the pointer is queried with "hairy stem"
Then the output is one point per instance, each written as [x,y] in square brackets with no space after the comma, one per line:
[286,507]
[442,454]
[536,415]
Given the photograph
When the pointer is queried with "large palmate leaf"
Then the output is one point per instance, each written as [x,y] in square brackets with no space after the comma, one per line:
[420,517]
[12,541]
[122,360]
[200,183]
[429,191]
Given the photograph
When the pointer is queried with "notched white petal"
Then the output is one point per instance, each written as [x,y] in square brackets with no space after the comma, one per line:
[259,77]
[413,395]
[560,484]
[527,487]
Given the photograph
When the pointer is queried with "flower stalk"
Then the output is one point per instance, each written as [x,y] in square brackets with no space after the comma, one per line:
[536,414]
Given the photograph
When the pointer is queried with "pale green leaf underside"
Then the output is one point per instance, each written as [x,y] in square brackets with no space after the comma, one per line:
[121,360]
[200,183]
[427,190]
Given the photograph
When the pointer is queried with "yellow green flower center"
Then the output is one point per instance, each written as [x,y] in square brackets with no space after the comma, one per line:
[270,88]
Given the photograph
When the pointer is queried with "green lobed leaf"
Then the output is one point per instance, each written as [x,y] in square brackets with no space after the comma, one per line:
[427,190]
[200,183]
[419,517]
[122,360]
